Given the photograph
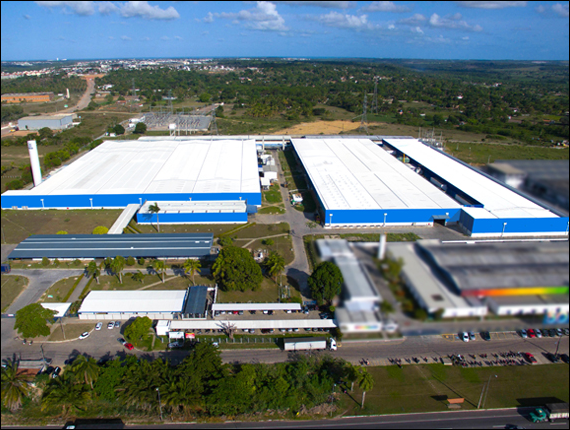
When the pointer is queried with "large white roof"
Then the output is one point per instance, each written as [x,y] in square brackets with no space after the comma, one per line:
[358,174]
[497,199]
[158,166]
[134,301]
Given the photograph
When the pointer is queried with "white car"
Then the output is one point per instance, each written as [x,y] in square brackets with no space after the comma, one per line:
[111,325]
[538,333]
[84,335]
[98,326]
[524,335]
[465,337]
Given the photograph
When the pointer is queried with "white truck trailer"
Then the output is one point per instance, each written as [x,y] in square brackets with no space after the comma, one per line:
[308,343]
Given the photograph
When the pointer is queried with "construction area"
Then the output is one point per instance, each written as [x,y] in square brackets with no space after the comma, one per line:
[162,119]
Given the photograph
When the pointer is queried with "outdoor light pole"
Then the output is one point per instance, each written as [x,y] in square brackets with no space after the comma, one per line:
[43,207]
[385,215]
[330,220]
[504,226]
[159,404]
[91,200]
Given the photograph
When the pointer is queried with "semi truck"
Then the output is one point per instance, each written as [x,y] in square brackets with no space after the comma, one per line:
[551,412]
[308,343]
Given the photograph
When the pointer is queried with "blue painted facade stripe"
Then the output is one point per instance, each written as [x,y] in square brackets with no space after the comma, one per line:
[514,225]
[238,217]
[117,200]
[376,216]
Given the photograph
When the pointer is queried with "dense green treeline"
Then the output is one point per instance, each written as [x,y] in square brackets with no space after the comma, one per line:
[56,83]
[200,386]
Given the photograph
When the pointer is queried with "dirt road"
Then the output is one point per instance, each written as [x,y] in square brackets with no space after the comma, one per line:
[85,98]
[316,127]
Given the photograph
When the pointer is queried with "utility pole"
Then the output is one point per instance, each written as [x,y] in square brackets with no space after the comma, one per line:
[159,404]
[134,95]
[364,120]
[375,99]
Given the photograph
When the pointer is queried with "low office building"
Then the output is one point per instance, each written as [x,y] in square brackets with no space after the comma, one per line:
[27,97]
[194,212]
[55,122]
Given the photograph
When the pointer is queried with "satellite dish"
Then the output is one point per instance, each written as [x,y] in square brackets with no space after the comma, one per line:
[172,126]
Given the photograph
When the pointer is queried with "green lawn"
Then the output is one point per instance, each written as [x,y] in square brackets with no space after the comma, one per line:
[108,282]
[72,331]
[12,286]
[271,210]
[216,229]
[423,388]
[267,293]
[273,195]
[262,230]
[58,291]
[481,153]
[19,224]
[282,245]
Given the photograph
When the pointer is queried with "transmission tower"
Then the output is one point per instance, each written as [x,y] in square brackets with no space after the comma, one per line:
[134,96]
[170,101]
[375,99]
[363,119]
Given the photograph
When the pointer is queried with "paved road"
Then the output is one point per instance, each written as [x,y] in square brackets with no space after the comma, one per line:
[40,281]
[85,98]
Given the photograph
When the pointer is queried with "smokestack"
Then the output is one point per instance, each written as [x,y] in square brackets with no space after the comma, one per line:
[382,247]
[68,93]
[35,162]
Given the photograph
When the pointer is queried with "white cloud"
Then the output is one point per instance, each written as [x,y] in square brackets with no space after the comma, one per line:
[540,9]
[561,9]
[208,18]
[178,37]
[465,38]
[339,20]
[84,8]
[416,19]
[391,27]
[140,9]
[26,16]
[125,38]
[324,4]
[143,10]
[417,30]
[385,6]
[452,22]
[491,4]
[262,17]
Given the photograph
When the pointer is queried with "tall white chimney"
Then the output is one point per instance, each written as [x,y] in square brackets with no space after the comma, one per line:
[35,162]
[382,247]
[68,93]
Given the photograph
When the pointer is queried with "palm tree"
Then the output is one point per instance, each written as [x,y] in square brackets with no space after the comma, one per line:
[159,266]
[365,382]
[192,266]
[138,276]
[275,264]
[85,369]
[154,209]
[93,270]
[62,392]
[14,386]
[117,266]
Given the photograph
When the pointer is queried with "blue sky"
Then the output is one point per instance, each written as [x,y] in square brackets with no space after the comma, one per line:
[511,30]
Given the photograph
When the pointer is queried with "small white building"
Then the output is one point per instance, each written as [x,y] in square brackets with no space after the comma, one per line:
[270,172]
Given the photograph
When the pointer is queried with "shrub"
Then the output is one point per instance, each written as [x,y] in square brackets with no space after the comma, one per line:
[268,242]
[100,230]
[45,261]
[61,232]
[76,262]
[56,262]
[141,261]
[131,261]
[226,241]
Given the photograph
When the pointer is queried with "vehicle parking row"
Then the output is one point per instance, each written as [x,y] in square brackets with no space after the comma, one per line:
[524,333]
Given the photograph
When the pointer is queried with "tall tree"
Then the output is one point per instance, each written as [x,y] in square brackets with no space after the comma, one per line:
[365,382]
[235,269]
[275,263]
[62,392]
[117,266]
[15,386]
[85,369]
[325,282]
[160,267]
[155,209]
[192,266]
[32,320]
[93,270]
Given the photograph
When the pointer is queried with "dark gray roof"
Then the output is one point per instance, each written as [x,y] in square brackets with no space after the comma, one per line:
[111,245]
[196,302]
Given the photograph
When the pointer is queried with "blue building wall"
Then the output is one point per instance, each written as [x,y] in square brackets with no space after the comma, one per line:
[376,216]
[514,225]
[239,217]
[116,200]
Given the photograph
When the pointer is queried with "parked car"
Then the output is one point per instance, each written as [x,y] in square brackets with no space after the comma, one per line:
[552,333]
[552,357]
[240,313]
[84,335]
[559,332]
[252,312]
[464,337]
[117,324]
[565,330]
[538,333]
[270,312]
[531,333]
[523,334]
[530,358]
[111,325]
[129,346]
[564,358]
[122,341]
[251,330]
[485,335]
[56,372]
[471,335]
[98,326]
[295,329]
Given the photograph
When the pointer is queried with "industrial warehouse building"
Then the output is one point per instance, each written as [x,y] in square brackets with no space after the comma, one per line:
[358,183]
[490,207]
[87,246]
[27,97]
[58,121]
[118,173]
[506,278]
[194,212]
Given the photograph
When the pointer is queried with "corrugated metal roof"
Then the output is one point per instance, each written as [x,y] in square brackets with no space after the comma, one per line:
[196,302]
[358,174]
[158,166]
[133,301]
[256,306]
[497,199]
[102,246]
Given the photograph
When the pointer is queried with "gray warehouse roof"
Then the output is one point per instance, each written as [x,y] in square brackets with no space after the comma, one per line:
[102,246]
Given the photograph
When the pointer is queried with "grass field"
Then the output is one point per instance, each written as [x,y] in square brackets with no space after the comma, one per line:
[18,225]
[111,282]
[58,291]
[271,210]
[12,286]
[482,153]
[72,331]
[273,195]
[216,229]
[423,388]
[267,293]
[282,245]
[262,230]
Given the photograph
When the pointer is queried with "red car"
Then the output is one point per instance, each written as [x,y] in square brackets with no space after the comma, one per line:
[129,346]
[530,358]
[531,332]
